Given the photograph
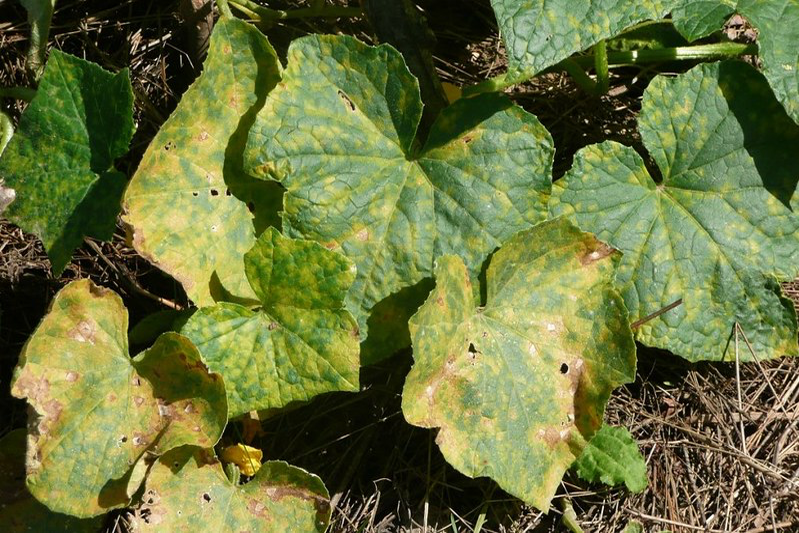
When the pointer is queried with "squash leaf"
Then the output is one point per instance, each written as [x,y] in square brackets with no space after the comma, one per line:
[187,203]
[89,395]
[717,231]
[60,161]
[300,343]
[339,132]
[187,490]
[520,384]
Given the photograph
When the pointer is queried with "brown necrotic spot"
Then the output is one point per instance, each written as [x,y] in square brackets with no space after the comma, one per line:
[84,331]
[346,99]
[203,136]
[600,252]
[72,377]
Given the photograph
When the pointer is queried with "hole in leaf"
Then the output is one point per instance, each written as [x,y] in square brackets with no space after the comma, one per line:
[123,439]
[214,192]
[207,497]
[228,193]
[564,368]
[251,207]
[195,193]
[347,100]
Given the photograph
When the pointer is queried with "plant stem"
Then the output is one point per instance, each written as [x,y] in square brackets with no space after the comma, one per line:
[579,76]
[316,10]
[224,9]
[601,68]
[19,93]
[569,517]
[634,57]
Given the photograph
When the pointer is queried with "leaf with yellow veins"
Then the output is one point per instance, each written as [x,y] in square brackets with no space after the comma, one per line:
[518,385]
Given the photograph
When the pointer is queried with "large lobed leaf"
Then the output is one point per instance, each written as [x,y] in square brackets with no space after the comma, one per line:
[186,203]
[300,343]
[777,23]
[540,33]
[60,161]
[97,410]
[517,386]
[717,230]
[19,511]
[339,133]
[187,491]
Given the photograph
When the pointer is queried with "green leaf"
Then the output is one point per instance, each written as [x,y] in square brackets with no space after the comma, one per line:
[612,457]
[716,230]
[777,23]
[88,395]
[187,490]
[6,132]
[40,12]
[20,512]
[517,386]
[339,133]
[187,203]
[540,33]
[60,161]
[300,343]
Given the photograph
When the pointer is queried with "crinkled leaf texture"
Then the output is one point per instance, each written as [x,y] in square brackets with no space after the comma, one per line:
[777,22]
[519,385]
[612,457]
[300,343]
[717,231]
[540,33]
[19,511]
[186,202]
[339,133]
[60,160]
[98,410]
[187,490]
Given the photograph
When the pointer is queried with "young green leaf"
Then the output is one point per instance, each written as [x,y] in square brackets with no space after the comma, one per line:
[339,133]
[540,33]
[300,343]
[97,410]
[777,23]
[19,511]
[60,160]
[187,201]
[716,230]
[187,490]
[517,386]
[612,457]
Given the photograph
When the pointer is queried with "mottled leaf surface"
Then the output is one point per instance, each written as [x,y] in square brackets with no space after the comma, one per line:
[187,203]
[717,231]
[300,343]
[60,160]
[97,410]
[612,457]
[19,511]
[777,23]
[540,33]
[339,133]
[517,386]
[187,490]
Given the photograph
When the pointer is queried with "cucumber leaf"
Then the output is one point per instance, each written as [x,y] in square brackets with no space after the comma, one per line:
[187,203]
[612,457]
[517,386]
[187,490]
[59,163]
[89,395]
[300,343]
[20,512]
[540,33]
[339,133]
[777,23]
[717,231]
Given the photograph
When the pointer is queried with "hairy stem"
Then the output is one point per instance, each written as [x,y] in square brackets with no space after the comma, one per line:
[634,57]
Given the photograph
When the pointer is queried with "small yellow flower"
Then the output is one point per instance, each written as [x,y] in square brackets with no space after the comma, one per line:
[453,92]
[247,458]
